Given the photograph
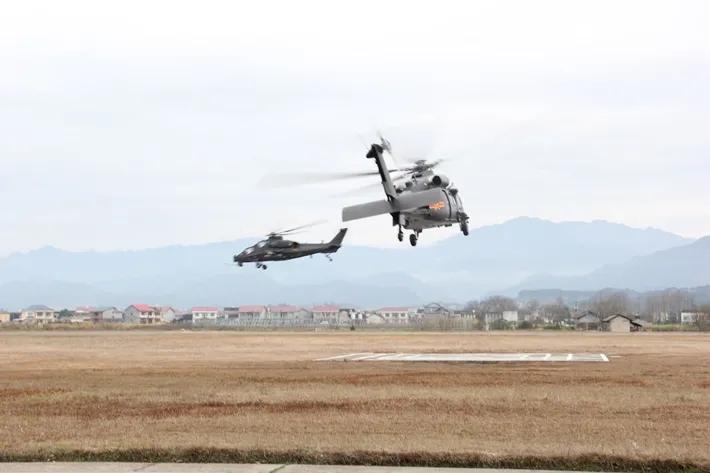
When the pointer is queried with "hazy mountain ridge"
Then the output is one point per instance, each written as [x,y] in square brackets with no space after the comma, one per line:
[455,269]
[681,266]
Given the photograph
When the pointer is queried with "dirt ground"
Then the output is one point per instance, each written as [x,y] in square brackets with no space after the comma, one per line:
[222,391]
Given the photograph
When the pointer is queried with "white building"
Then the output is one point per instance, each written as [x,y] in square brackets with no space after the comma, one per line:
[397,315]
[373,318]
[510,315]
[687,318]
[38,313]
[5,316]
[205,314]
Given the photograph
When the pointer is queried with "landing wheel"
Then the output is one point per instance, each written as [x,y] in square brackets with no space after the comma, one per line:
[464,228]
[400,235]
[263,266]
[240,264]
[413,239]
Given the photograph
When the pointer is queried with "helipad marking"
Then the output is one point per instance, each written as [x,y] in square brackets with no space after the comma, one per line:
[474,357]
[343,356]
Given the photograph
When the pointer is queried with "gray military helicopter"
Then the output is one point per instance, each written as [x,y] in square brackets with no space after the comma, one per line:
[275,248]
[424,200]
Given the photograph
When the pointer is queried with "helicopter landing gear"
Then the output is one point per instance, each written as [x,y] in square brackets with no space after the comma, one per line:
[464,228]
[240,264]
[413,238]
[328,257]
[260,266]
[400,234]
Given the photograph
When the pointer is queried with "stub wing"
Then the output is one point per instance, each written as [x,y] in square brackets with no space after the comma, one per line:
[401,204]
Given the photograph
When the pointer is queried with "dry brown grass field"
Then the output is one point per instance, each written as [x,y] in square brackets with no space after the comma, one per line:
[221,395]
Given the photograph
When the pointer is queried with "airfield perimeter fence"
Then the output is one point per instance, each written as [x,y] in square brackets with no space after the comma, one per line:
[419,324]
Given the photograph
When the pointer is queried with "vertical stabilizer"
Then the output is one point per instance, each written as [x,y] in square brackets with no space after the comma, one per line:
[338,240]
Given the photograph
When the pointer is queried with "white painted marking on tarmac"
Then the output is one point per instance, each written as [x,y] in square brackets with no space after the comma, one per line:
[474,357]
[343,356]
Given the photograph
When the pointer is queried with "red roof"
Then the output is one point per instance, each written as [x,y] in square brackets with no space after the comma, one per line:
[143,307]
[284,308]
[251,308]
[205,309]
[325,308]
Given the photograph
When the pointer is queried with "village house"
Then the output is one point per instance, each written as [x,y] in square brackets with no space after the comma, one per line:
[687,318]
[38,313]
[435,311]
[621,323]
[373,318]
[587,321]
[231,314]
[251,313]
[5,317]
[205,314]
[142,314]
[288,314]
[326,313]
[109,314]
[83,314]
[96,314]
[167,314]
[397,315]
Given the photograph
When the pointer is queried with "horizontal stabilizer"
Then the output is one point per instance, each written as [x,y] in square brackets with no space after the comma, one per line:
[403,203]
[369,209]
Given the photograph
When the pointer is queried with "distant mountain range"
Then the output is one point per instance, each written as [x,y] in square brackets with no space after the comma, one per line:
[523,253]
[684,266]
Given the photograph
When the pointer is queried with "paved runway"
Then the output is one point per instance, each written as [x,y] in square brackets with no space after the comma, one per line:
[98,467]
[473,357]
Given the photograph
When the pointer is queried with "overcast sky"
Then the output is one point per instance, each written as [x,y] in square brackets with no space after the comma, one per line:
[135,124]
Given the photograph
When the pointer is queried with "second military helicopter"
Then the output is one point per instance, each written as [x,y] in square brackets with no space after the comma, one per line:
[275,248]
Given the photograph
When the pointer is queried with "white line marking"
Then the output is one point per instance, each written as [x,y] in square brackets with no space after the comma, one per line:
[371,356]
[473,357]
[343,356]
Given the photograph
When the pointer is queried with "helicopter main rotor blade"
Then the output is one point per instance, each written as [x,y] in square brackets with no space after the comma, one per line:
[369,187]
[301,227]
[299,179]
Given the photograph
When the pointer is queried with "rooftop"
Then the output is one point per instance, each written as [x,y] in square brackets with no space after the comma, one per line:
[251,308]
[143,307]
[326,308]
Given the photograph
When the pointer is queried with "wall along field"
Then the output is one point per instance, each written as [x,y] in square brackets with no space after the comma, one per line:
[260,396]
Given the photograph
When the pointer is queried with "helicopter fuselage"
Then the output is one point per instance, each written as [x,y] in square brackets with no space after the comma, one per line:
[445,211]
